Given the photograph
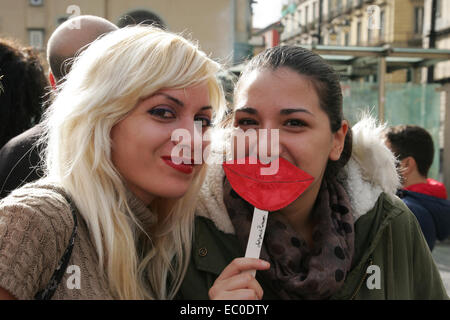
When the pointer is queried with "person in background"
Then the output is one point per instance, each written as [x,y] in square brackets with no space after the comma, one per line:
[71,38]
[114,201]
[19,158]
[425,197]
[24,89]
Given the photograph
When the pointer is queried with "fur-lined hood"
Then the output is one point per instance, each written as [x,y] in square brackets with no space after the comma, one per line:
[370,171]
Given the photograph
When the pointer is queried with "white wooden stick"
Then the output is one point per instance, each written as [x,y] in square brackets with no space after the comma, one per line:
[256,237]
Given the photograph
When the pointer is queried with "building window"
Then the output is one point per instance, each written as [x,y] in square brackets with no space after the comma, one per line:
[330,8]
[349,4]
[347,39]
[306,15]
[36,38]
[314,13]
[439,8]
[339,6]
[408,75]
[418,20]
[382,22]
[358,34]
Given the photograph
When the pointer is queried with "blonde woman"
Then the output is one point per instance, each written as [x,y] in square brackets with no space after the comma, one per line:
[110,173]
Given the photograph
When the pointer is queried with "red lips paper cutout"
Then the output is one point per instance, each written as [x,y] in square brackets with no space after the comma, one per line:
[267,192]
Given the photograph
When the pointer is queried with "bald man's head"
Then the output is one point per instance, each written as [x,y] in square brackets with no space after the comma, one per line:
[71,36]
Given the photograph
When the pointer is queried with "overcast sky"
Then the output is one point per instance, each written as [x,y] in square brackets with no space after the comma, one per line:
[266,12]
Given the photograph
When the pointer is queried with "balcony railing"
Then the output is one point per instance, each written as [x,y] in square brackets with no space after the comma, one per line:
[333,14]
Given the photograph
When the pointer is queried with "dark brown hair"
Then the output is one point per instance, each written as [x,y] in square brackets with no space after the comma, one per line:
[24,89]
[412,141]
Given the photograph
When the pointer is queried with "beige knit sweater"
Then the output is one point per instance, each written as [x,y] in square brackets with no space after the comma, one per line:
[35,228]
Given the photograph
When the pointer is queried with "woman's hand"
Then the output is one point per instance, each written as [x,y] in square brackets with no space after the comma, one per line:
[237,283]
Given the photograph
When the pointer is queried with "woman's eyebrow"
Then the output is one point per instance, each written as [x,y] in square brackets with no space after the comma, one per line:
[247,110]
[178,102]
[288,111]
[293,110]
[167,96]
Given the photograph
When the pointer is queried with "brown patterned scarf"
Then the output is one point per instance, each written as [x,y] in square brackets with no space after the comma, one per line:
[297,271]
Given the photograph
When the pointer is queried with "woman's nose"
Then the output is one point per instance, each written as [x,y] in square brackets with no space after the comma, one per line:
[268,144]
[188,138]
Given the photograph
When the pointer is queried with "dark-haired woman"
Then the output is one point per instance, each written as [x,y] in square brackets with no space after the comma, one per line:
[347,237]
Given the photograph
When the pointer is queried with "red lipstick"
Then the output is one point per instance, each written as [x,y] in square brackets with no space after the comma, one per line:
[182,167]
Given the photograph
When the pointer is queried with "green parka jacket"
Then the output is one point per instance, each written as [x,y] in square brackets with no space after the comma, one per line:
[391,259]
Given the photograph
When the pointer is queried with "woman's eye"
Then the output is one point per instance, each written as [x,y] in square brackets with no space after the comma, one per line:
[162,113]
[206,122]
[247,122]
[295,123]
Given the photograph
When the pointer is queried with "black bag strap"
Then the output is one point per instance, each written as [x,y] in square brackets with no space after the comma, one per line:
[58,274]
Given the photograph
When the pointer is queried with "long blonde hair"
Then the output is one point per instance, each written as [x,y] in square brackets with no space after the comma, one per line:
[105,84]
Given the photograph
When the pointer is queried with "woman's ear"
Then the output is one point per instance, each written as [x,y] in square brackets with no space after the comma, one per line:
[338,141]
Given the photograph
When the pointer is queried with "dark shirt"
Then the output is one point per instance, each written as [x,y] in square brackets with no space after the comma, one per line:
[19,161]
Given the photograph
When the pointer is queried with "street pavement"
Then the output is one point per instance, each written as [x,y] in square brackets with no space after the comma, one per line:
[441,255]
